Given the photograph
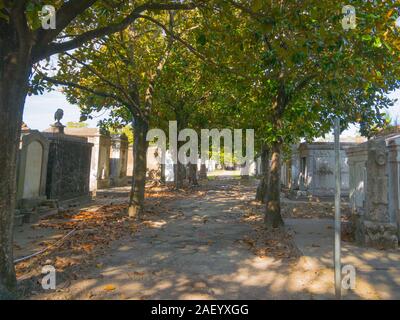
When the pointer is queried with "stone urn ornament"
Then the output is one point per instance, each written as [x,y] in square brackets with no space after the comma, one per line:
[58,115]
[58,127]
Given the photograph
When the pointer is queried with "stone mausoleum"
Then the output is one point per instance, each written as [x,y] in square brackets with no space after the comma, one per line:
[100,160]
[32,160]
[31,168]
[310,170]
[68,168]
[118,160]
[374,191]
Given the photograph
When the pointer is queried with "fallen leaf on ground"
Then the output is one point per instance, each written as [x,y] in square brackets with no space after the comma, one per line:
[109,287]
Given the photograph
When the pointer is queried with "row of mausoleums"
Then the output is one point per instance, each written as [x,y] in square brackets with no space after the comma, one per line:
[370,177]
[62,165]
[67,164]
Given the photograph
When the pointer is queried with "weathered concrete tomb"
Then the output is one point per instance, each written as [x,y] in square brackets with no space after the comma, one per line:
[374,191]
[310,170]
[100,161]
[32,160]
[31,169]
[118,160]
[68,169]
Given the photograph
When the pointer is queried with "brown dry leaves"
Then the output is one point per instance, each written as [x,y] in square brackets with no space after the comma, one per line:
[169,193]
[94,232]
[277,244]
[311,209]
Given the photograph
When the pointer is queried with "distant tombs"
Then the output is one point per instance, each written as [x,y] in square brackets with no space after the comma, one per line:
[370,178]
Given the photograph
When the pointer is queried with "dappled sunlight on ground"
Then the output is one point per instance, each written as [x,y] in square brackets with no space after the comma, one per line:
[377,271]
[205,243]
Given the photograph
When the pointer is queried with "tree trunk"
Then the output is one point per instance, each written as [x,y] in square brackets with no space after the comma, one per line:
[162,174]
[14,74]
[136,202]
[179,175]
[183,171]
[203,171]
[179,169]
[262,188]
[273,218]
[193,174]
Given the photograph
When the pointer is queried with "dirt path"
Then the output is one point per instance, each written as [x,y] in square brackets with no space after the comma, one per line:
[209,243]
[198,247]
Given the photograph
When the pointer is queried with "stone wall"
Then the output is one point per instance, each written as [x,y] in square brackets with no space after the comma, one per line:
[374,191]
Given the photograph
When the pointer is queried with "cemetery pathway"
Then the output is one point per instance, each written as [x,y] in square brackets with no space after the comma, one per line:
[207,246]
[199,248]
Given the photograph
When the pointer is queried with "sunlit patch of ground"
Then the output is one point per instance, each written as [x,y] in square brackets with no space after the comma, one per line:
[207,242]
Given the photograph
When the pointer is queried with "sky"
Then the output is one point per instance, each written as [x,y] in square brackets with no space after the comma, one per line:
[39,111]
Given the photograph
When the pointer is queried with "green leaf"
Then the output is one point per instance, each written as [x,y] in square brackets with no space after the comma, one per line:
[256,5]
[30,7]
[366,37]
[377,42]
[201,39]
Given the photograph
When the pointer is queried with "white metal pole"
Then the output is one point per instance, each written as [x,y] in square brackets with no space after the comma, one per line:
[337,262]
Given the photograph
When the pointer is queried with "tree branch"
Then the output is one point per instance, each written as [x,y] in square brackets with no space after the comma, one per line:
[259,17]
[43,51]
[102,78]
[177,38]
[78,86]
[191,49]
[304,82]
[18,19]
[148,100]
[65,15]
